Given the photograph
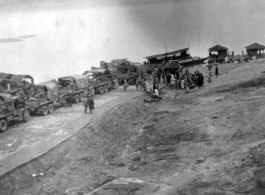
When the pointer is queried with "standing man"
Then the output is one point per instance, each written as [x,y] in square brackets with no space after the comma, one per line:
[137,83]
[90,101]
[210,73]
[216,71]
[85,102]
[125,85]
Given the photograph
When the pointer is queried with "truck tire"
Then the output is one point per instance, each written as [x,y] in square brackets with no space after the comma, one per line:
[106,88]
[50,108]
[44,110]
[77,98]
[64,102]
[3,125]
[25,115]
[81,96]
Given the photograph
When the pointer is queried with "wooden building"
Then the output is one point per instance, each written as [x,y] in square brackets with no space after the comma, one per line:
[174,55]
[221,51]
[254,49]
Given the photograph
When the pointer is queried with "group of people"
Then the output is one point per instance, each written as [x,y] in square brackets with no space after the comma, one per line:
[177,78]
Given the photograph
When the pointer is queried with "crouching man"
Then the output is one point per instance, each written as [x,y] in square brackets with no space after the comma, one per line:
[156,95]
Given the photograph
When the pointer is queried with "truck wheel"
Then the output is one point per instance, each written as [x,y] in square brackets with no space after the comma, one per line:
[77,98]
[50,108]
[44,110]
[25,115]
[106,88]
[101,89]
[3,125]
[64,102]
[81,96]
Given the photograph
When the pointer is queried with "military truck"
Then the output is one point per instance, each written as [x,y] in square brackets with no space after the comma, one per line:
[42,98]
[76,85]
[10,109]
[101,80]
[128,72]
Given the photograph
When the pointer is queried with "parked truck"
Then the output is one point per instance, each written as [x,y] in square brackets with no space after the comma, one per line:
[101,80]
[42,98]
[10,110]
[76,85]
[128,72]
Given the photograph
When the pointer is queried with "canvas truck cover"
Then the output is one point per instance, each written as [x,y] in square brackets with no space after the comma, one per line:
[52,89]
[80,80]
[5,76]
[19,78]
[99,70]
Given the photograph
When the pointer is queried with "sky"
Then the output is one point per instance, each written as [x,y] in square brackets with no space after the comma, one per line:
[53,38]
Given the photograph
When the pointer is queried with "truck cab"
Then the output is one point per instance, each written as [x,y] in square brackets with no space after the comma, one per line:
[9,110]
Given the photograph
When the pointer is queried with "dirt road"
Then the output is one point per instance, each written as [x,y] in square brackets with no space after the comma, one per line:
[24,141]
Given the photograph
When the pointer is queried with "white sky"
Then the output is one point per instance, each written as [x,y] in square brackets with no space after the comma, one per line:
[71,36]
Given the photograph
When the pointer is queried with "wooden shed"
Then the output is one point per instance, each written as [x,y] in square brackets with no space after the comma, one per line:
[254,49]
[221,51]
[159,58]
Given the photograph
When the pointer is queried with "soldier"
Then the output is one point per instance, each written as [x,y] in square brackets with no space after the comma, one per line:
[85,102]
[91,103]
[88,102]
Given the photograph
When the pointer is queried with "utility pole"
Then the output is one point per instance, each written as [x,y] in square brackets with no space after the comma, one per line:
[166,47]
[188,45]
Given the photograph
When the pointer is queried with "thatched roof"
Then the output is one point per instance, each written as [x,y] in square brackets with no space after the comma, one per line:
[218,48]
[255,46]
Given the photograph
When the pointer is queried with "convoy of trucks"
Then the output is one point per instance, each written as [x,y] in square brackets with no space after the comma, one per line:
[20,96]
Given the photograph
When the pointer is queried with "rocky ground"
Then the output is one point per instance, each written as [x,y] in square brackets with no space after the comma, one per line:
[209,141]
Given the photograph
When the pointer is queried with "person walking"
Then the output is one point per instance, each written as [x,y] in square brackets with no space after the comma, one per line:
[164,76]
[85,102]
[210,73]
[125,85]
[146,86]
[168,77]
[216,71]
[182,82]
[90,103]
[137,83]
[172,81]
[142,85]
